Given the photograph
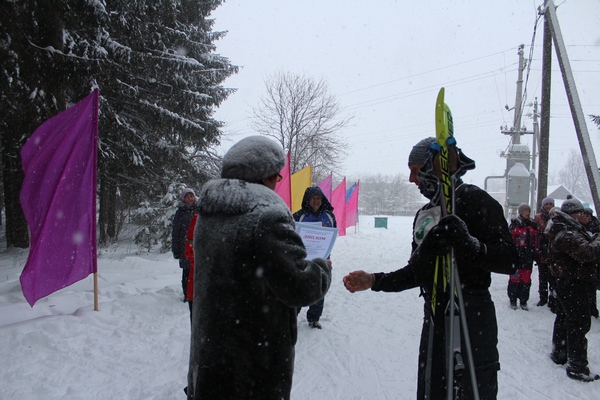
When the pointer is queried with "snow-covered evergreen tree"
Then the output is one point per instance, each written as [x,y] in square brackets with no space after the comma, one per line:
[159,79]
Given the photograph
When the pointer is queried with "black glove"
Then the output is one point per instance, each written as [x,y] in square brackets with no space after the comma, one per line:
[433,244]
[452,231]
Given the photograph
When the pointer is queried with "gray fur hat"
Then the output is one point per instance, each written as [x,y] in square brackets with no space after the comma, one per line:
[571,206]
[253,159]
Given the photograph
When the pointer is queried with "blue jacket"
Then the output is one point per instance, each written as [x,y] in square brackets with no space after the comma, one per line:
[181,223]
[324,214]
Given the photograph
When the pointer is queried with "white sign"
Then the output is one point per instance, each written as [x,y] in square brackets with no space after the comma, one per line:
[317,239]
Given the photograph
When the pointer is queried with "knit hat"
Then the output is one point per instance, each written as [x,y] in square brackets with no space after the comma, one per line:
[547,200]
[523,207]
[253,159]
[571,206]
[185,191]
[421,152]
[588,211]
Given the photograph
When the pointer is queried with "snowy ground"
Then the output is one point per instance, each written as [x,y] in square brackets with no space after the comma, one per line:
[136,346]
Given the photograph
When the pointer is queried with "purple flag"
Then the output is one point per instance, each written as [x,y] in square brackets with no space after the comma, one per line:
[58,198]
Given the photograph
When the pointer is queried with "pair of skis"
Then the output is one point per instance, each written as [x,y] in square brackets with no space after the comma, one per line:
[446,280]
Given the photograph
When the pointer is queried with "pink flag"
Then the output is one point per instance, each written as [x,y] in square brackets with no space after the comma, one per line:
[284,187]
[58,198]
[352,206]
[338,201]
[326,186]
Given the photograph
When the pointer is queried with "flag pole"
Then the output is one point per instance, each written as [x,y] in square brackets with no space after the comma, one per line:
[95,291]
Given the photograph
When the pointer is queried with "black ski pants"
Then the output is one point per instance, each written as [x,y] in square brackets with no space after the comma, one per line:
[546,281]
[572,323]
[184,264]
[483,332]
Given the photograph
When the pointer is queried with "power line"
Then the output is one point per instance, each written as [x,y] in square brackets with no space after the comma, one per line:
[425,72]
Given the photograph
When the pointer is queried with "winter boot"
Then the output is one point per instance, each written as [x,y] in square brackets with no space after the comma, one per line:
[559,357]
[315,324]
[524,306]
[552,304]
[583,376]
[513,304]
[542,302]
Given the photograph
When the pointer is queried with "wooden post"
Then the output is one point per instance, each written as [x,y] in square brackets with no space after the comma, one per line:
[95,291]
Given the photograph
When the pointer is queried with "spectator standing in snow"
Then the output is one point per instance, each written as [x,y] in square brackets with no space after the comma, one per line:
[574,255]
[315,208]
[525,236]
[482,244]
[250,276]
[546,281]
[552,302]
[181,222]
[592,225]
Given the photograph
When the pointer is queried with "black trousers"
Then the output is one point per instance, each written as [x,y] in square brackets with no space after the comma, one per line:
[573,322]
[184,264]
[546,281]
[483,332]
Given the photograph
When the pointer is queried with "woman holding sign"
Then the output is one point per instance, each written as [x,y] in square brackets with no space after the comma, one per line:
[315,208]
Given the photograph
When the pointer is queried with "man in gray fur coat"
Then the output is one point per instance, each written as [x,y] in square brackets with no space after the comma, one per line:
[250,276]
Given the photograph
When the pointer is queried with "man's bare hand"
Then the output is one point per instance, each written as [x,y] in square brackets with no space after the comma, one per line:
[358,280]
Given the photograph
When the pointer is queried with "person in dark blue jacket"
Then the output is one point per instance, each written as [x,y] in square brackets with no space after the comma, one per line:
[315,208]
[181,223]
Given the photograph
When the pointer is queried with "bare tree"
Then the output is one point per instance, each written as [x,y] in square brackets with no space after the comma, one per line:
[302,115]
[573,176]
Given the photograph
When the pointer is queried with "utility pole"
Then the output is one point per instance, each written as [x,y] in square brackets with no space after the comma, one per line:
[519,98]
[518,174]
[585,145]
[545,115]
[534,151]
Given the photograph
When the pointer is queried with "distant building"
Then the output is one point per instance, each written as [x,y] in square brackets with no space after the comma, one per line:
[559,193]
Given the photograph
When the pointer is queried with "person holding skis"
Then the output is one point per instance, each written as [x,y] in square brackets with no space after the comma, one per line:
[251,273]
[315,208]
[482,244]
[574,254]
[525,234]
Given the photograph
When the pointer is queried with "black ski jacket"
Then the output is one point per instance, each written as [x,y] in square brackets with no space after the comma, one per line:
[485,220]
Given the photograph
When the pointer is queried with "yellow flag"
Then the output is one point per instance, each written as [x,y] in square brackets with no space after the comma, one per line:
[300,181]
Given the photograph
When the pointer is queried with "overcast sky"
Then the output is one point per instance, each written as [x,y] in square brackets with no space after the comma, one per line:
[385,61]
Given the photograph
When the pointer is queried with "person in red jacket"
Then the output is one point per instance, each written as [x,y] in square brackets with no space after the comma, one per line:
[189,254]
[525,235]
